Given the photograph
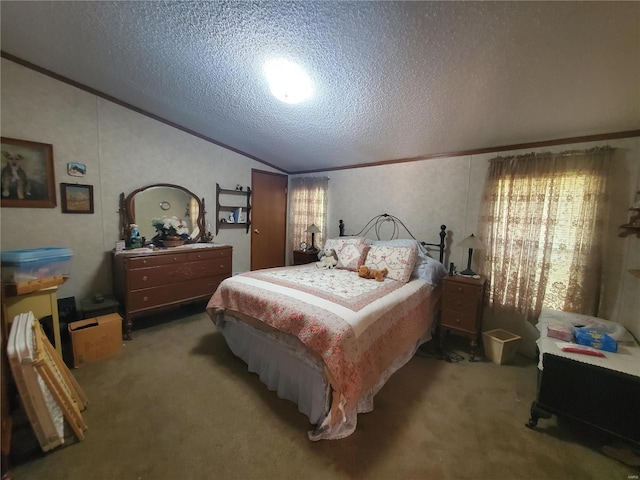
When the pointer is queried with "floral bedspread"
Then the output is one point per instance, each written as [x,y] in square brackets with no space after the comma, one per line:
[358,327]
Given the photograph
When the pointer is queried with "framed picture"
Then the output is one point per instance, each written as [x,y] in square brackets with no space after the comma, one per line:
[76,169]
[76,198]
[27,179]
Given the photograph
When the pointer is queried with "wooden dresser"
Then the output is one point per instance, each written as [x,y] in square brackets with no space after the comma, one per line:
[462,304]
[148,280]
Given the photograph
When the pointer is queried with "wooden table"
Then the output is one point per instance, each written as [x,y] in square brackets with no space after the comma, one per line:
[42,303]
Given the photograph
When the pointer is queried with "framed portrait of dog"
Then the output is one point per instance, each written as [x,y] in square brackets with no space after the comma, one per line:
[27,179]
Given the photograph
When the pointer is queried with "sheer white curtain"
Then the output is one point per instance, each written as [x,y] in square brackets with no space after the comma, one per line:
[543,221]
[308,205]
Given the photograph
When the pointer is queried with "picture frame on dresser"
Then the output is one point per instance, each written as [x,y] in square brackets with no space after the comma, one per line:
[27,174]
[76,198]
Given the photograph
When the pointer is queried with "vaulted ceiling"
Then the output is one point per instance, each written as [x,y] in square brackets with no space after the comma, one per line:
[392,80]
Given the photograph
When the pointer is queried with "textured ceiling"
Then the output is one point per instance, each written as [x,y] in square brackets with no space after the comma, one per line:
[392,80]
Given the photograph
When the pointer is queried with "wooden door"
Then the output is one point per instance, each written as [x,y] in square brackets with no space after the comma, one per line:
[268,219]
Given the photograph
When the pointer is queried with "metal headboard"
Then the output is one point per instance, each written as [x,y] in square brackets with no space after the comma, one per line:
[376,222]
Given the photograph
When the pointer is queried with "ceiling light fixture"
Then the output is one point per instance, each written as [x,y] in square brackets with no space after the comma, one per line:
[288,82]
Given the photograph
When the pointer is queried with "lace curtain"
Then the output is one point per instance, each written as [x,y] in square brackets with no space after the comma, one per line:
[308,205]
[543,222]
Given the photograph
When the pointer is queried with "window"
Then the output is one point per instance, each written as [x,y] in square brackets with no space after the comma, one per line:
[308,206]
[543,222]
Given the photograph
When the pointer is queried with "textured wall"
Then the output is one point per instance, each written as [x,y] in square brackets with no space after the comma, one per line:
[426,194]
[122,150]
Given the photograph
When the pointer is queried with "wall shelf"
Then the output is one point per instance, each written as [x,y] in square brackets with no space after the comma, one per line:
[633,225]
[236,202]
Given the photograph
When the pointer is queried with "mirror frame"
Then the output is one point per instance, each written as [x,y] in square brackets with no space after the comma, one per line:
[126,218]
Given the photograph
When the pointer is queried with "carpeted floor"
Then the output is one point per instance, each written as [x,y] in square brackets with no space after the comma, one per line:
[176,404]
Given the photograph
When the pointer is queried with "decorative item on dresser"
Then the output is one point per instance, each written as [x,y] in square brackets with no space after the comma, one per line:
[462,304]
[146,280]
[301,257]
[162,201]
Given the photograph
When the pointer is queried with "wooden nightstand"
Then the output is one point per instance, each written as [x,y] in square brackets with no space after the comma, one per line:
[462,303]
[300,257]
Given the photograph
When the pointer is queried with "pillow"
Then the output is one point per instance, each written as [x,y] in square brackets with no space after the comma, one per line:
[352,256]
[426,268]
[342,246]
[399,261]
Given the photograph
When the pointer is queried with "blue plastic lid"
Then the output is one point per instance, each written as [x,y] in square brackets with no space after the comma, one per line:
[35,254]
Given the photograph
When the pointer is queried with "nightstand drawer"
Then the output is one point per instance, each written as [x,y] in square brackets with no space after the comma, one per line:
[462,290]
[461,304]
[301,257]
[465,320]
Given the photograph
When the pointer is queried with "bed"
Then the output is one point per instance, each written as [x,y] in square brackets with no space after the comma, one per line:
[328,339]
[603,392]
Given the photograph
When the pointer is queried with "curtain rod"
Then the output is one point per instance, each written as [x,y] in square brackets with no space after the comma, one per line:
[566,153]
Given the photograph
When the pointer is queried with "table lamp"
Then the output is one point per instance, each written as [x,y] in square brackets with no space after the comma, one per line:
[472,243]
[313,230]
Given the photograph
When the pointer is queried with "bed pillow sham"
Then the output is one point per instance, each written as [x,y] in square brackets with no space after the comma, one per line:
[426,268]
[399,261]
[352,256]
[350,251]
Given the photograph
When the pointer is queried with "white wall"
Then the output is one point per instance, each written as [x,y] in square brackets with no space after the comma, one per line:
[123,151]
[425,194]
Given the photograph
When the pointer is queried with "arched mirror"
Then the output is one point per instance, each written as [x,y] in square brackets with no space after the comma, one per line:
[162,200]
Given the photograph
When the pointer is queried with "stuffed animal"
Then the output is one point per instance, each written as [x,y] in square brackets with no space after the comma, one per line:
[329,259]
[366,272]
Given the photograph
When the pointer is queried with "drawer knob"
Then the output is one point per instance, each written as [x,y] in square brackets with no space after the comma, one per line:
[144,262]
[145,299]
[144,279]
[459,289]
[457,320]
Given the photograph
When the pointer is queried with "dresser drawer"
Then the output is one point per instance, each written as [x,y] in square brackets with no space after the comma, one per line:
[172,274]
[149,298]
[154,261]
[207,254]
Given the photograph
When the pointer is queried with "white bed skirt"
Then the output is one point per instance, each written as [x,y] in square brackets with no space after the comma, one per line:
[285,366]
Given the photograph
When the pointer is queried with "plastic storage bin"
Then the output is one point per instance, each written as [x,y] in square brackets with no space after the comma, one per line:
[26,265]
[500,346]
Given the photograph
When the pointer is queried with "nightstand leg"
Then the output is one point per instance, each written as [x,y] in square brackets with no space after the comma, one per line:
[472,353]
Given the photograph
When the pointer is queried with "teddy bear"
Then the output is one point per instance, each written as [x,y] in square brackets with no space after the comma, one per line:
[329,259]
[366,272]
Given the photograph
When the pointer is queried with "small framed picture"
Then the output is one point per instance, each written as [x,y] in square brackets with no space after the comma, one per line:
[76,198]
[76,169]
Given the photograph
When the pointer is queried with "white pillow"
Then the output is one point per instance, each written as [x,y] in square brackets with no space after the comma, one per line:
[399,261]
